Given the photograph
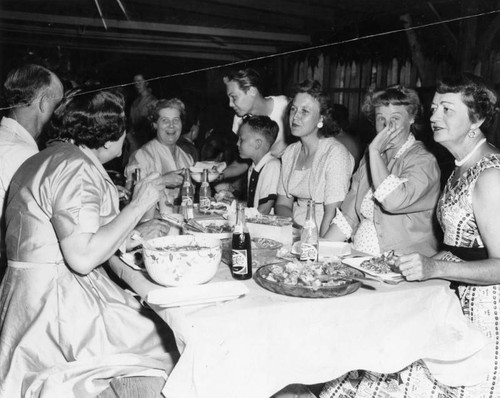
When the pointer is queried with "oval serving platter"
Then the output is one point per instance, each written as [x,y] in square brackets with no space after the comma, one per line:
[341,284]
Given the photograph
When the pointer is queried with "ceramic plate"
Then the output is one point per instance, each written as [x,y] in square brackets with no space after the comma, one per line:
[389,277]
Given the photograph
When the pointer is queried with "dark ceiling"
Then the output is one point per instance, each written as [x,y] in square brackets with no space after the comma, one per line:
[216,30]
[191,33]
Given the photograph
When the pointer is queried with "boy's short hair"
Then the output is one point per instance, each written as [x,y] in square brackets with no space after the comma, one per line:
[264,126]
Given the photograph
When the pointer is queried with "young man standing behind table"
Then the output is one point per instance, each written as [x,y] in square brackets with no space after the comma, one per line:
[256,136]
[244,89]
[32,92]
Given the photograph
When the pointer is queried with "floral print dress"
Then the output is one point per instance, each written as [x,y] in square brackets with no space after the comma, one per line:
[481,304]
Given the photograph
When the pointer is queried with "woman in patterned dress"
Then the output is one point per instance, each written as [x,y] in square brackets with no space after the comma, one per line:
[469,214]
[394,192]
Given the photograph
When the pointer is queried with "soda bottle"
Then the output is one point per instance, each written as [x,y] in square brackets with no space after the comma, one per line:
[187,196]
[136,177]
[241,265]
[205,192]
[309,235]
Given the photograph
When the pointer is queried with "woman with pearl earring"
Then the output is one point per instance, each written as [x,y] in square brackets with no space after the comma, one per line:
[318,166]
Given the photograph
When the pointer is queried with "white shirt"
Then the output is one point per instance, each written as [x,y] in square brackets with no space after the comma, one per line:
[16,145]
[269,169]
[278,114]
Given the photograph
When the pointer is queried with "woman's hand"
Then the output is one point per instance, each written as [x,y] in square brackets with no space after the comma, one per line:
[129,172]
[416,267]
[123,193]
[173,179]
[384,140]
[153,229]
[147,191]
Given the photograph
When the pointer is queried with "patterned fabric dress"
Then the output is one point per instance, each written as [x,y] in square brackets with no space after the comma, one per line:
[481,304]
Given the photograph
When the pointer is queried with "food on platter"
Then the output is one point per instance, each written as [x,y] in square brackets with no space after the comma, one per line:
[311,280]
[314,275]
[264,243]
[276,221]
[219,229]
[382,264]
[264,251]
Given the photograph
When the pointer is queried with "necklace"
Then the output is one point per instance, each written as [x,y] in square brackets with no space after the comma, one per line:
[469,155]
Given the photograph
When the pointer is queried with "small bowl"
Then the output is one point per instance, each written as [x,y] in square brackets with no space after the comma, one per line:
[182,260]
[198,177]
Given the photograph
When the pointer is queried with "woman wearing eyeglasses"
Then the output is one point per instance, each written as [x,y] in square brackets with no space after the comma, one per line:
[162,154]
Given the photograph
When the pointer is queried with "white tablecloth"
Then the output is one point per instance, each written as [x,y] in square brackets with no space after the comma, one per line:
[254,346]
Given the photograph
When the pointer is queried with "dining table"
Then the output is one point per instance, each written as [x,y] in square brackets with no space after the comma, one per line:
[256,344]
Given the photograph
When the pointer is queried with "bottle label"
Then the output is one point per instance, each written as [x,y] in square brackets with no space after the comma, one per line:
[240,264]
[205,203]
[308,252]
[187,201]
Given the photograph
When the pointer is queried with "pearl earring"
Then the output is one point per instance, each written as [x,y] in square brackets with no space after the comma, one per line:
[471,133]
[320,124]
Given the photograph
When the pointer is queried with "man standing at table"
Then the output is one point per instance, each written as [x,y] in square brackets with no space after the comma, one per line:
[244,89]
[32,93]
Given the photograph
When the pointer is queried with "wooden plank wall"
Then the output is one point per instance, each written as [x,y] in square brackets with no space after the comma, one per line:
[349,81]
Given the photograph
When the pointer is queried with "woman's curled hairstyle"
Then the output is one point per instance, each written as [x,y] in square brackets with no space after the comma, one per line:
[480,99]
[89,117]
[396,95]
[314,89]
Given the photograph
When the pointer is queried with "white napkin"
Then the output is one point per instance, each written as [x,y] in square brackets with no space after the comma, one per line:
[200,166]
[198,294]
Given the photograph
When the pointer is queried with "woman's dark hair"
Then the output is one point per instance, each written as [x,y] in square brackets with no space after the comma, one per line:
[477,95]
[314,89]
[89,117]
[245,78]
[157,106]
[394,95]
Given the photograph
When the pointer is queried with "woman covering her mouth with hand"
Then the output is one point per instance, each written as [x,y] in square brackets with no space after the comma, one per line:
[394,192]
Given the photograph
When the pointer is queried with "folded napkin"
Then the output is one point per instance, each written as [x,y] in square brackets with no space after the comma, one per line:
[198,294]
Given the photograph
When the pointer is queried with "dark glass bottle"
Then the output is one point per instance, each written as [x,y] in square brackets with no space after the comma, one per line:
[309,239]
[241,265]
[136,177]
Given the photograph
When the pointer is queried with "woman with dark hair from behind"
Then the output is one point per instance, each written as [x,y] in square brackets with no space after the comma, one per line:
[65,328]
[394,192]
[317,167]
